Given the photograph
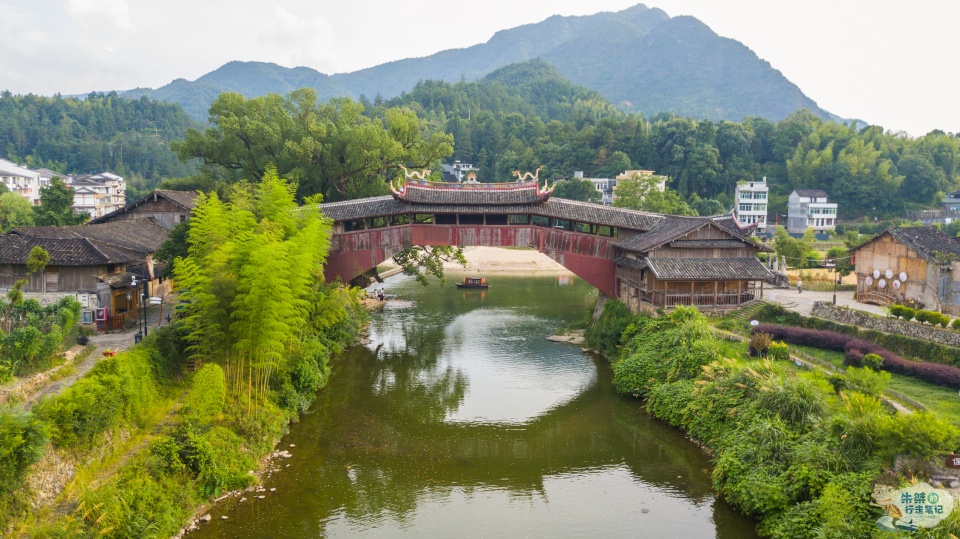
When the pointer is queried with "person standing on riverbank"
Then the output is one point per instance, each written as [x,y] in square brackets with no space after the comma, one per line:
[799,286]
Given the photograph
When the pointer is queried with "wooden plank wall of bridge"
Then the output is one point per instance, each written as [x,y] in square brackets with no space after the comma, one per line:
[588,256]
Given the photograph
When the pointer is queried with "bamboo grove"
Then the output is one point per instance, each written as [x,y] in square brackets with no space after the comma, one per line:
[253,297]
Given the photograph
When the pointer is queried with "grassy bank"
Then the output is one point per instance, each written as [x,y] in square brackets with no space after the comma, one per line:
[146,443]
[799,452]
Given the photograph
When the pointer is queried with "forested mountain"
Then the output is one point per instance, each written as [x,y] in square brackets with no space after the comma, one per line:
[639,59]
[501,128]
[250,79]
[101,132]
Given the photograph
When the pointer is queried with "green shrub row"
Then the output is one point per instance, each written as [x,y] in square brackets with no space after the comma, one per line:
[931,317]
[904,346]
[790,450]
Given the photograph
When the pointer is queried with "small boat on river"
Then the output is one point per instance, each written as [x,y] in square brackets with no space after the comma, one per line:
[473,282]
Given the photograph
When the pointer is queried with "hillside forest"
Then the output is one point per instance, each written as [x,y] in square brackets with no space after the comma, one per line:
[101,132]
[517,118]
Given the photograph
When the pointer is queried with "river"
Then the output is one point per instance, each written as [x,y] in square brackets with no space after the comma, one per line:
[461,420]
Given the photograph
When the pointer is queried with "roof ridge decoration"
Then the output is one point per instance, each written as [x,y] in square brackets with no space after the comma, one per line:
[535,175]
[417,189]
[421,174]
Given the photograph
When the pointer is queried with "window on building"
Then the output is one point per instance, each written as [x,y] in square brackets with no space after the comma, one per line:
[471,219]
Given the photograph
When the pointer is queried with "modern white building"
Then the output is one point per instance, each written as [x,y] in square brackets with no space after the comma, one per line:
[22,180]
[808,208]
[457,171]
[750,204]
[98,194]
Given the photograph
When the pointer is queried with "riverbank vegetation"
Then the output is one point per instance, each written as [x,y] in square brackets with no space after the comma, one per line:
[795,448]
[32,336]
[146,441]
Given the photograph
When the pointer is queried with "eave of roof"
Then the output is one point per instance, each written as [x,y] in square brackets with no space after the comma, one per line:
[707,269]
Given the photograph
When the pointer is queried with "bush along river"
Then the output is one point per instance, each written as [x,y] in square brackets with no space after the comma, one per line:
[460,419]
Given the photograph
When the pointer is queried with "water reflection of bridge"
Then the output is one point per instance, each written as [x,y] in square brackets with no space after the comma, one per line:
[638,257]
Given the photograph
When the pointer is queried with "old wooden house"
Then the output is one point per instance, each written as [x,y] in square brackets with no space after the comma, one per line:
[169,208]
[915,266]
[100,261]
[706,262]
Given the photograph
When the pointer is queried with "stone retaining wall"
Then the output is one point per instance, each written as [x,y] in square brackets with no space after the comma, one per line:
[864,320]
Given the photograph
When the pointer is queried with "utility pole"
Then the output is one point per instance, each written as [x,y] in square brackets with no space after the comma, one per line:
[146,301]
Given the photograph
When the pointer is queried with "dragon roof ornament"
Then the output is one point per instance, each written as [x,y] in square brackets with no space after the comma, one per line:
[415,188]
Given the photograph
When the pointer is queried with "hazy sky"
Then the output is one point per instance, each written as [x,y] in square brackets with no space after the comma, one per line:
[889,63]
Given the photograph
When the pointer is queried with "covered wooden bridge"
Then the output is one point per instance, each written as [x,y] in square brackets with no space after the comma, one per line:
[644,259]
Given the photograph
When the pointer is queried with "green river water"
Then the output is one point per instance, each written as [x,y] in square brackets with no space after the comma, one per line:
[461,420]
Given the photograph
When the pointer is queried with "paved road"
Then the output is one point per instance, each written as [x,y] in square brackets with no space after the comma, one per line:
[803,302]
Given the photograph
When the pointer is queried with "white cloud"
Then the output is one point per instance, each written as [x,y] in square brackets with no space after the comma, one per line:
[96,11]
[299,39]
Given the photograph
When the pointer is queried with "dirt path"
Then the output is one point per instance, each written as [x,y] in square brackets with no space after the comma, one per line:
[100,343]
[29,390]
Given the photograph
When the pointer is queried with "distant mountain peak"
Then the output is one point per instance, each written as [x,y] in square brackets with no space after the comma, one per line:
[639,58]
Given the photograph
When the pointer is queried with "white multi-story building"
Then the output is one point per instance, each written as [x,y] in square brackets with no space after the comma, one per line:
[21,180]
[750,204]
[457,171]
[808,208]
[98,194]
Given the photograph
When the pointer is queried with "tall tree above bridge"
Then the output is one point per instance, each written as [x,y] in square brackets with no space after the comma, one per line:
[644,193]
[329,148]
[577,189]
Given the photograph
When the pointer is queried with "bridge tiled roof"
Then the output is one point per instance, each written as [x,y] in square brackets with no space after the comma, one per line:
[471,194]
[707,269]
[557,208]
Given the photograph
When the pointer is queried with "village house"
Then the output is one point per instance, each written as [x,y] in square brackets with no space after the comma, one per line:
[808,208]
[917,266]
[21,180]
[168,208]
[750,201]
[97,194]
[102,265]
[457,171]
